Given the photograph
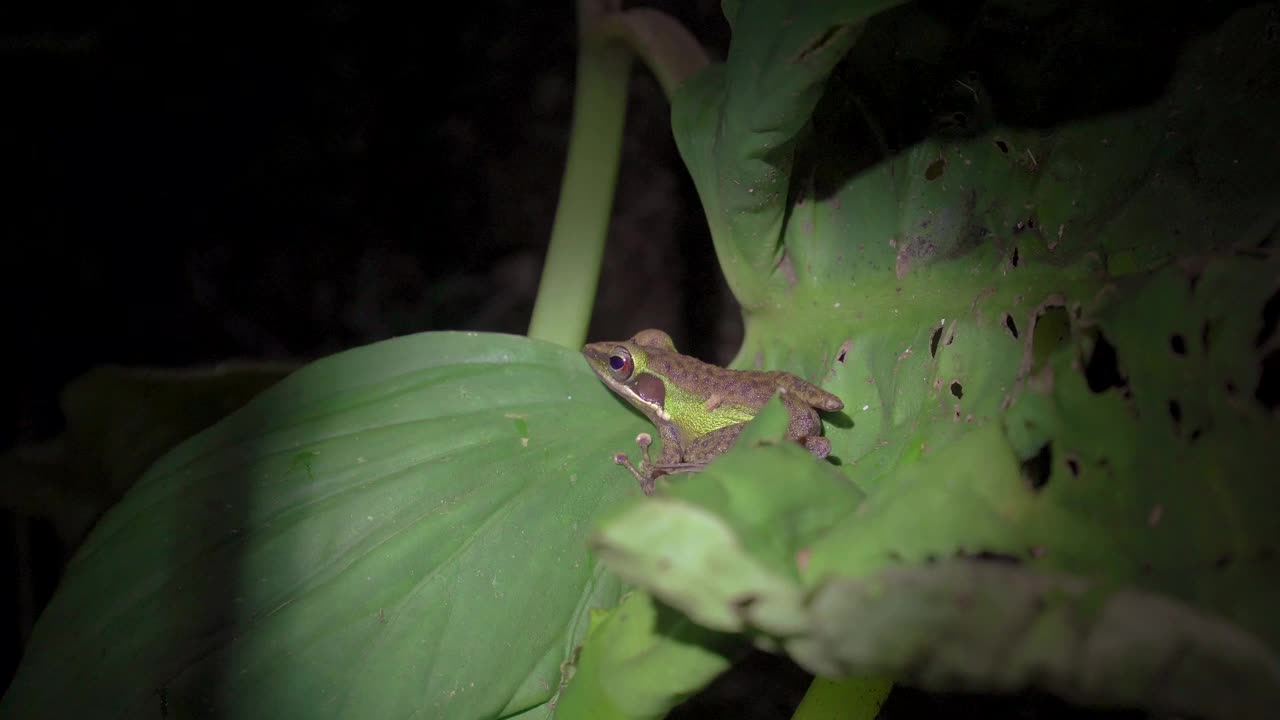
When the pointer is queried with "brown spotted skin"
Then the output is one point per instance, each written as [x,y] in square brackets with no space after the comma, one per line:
[699,409]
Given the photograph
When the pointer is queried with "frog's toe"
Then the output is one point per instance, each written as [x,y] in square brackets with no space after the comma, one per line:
[818,445]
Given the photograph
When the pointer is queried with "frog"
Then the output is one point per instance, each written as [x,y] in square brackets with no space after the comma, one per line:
[699,409]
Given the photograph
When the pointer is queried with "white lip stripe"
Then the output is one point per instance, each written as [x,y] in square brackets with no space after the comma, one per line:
[632,394]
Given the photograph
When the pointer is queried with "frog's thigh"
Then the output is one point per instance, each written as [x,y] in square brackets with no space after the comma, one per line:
[804,419]
[713,443]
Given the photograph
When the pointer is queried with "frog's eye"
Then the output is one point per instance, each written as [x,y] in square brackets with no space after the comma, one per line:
[621,363]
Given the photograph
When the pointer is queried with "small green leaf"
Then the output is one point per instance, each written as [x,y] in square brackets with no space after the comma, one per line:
[737,125]
[640,660]
[727,545]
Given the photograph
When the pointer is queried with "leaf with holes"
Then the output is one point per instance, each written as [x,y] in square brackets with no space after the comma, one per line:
[1051,317]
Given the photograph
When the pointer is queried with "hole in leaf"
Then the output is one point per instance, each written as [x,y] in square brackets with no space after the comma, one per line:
[1175,412]
[820,43]
[1013,261]
[840,357]
[1004,146]
[1052,329]
[1009,323]
[1036,469]
[1270,315]
[1177,344]
[993,556]
[1230,387]
[1193,280]
[1102,372]
[958,390]
[933,342]
[1074,466]
[935,169]
[1204,337]
[1223,562]
[1268,392]
[743,603]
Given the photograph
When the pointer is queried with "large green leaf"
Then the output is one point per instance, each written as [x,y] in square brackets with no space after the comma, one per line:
[1057,349]
[395,530]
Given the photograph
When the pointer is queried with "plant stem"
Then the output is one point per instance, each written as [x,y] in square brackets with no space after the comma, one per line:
[857,698]
[572,269]
[608,40]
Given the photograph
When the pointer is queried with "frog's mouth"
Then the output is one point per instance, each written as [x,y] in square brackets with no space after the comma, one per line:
[637,399]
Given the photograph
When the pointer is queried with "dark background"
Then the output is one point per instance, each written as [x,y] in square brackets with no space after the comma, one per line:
[200,183]
[191,184]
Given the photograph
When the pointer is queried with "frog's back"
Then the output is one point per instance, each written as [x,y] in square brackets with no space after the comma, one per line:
[748,389]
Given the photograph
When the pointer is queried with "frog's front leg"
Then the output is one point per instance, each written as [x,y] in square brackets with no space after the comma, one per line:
[644,474]
[650,471]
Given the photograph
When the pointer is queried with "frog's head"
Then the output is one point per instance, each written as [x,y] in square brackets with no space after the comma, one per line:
[624,367]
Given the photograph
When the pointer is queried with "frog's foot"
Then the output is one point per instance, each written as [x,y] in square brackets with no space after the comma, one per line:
[644,440]
[649,471]
[818,445]
[645,479]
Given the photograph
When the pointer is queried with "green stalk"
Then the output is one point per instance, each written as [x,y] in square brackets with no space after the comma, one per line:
[608,40]
[857,698]
[572,268]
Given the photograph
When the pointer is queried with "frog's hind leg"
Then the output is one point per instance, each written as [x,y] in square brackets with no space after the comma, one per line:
[805,427]
[713,444]
[808,392]
[819,446]
[804,419]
